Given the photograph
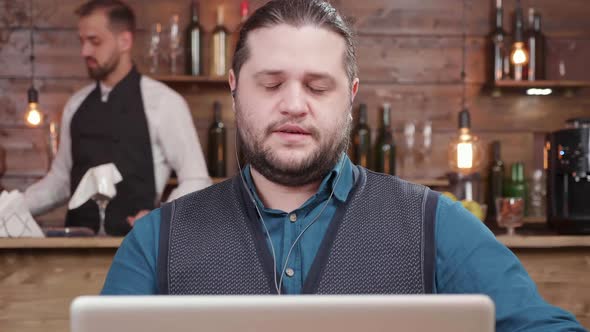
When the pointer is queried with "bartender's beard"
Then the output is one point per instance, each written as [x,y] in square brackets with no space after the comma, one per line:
[101,72]
[309,170]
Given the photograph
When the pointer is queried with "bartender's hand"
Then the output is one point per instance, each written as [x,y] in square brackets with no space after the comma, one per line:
[131,219]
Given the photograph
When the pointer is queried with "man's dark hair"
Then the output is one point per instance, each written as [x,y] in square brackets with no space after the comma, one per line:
[297,13]
[120,15]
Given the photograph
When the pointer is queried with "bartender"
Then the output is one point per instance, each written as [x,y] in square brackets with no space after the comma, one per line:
[139,124]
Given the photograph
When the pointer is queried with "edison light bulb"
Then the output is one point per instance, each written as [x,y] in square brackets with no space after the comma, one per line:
[519,55]
[33,116]
[466,150]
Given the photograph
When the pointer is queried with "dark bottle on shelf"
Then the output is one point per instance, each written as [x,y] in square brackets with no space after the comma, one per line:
[498,39]
[495,179]
[385,145]
[535,41]
[519,55]
[217,145]
[220,46]
[194,37]
[361,140]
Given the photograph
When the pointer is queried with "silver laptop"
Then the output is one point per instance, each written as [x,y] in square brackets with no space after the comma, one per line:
[365,313]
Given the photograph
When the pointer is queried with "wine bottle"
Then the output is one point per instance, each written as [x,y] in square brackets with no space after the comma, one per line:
[535,41]
[498,39]
[217,144]
[385,145]
[516,184]
[361,139]
[519,56]
[220,47]
[495,179]
[194,37]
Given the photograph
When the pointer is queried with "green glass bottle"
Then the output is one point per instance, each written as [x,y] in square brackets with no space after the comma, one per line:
[385,145]
[217,144]
[361,140]
[516,184]
[495,179]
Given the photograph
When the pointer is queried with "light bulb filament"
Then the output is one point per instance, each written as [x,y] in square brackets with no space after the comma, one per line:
[465,155]
[33,117]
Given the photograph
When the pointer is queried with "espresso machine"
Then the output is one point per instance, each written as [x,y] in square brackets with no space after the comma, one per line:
[568,178]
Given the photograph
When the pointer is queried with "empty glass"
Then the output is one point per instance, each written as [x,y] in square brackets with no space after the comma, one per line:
[102,201]
[510,213]
[409,162]
[154,51]
[174,44]
[426,146]
[104,186]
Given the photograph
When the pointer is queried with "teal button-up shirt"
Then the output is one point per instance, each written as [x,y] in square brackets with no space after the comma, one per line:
[285,226]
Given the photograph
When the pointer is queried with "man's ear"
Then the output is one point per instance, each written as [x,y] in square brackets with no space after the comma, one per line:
[355,89]
[125,40]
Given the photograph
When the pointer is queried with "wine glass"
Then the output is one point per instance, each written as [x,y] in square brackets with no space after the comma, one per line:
[409,163]
[174,43]
[104,186]
[510,213]
[426,147]
[102,201]
[155,41]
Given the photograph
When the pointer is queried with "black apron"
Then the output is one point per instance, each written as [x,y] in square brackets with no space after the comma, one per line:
[116,132]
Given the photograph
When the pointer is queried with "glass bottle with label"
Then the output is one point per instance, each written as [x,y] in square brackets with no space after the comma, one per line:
[194,35]
[385,148]
[361,140]
[220,46]
[217,144]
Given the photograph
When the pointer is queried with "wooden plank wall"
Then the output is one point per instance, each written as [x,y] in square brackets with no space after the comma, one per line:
[409,55]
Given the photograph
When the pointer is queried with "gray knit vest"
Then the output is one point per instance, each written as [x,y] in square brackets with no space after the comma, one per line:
[380,241]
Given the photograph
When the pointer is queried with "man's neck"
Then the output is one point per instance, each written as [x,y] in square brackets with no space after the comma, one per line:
[280,197]
[118,74]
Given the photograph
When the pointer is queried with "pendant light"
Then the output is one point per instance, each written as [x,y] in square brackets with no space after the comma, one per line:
[465,150]
[33,115]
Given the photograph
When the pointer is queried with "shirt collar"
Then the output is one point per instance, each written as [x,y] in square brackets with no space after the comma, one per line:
[105,90]
[341,190]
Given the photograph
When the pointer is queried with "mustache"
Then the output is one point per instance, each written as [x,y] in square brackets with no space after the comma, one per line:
[274,126]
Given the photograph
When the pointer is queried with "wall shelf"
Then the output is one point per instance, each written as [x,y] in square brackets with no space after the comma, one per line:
[565,87]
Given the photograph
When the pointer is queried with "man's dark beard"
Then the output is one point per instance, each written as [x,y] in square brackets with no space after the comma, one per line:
[313,169]
[102,71]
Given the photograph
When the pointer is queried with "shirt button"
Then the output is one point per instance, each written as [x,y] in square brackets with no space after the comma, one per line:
[293,217]
[289,272]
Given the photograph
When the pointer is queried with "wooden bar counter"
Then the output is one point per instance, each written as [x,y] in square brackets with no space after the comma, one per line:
[40,277]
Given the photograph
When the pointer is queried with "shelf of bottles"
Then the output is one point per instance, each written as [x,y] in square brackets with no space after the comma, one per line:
[166,54]
[518,61]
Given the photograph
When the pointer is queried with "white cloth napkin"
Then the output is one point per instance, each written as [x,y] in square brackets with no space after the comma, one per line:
[97,180]
[15,218]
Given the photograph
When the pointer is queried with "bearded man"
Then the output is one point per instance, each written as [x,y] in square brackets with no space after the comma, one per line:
[300,218]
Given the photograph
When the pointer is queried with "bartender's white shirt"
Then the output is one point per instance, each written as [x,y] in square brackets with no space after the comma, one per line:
[174,140]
